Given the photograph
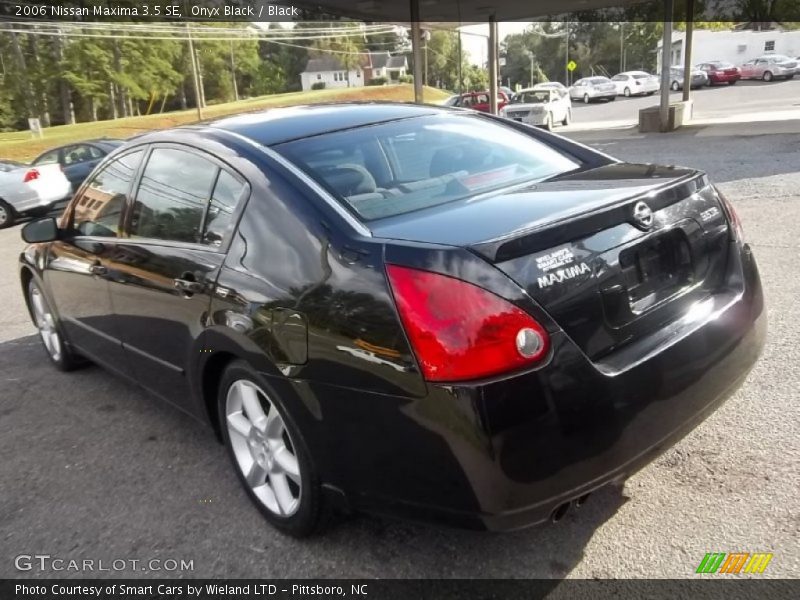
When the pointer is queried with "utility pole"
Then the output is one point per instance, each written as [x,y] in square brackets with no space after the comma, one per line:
[233,75]
[621,46]
[530,55]
[566,58]
[195,77]
[426,35]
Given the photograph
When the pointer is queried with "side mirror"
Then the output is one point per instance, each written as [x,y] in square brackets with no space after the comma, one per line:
[40,230]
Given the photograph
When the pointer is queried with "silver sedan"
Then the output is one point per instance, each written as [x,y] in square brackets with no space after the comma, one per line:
[25,189]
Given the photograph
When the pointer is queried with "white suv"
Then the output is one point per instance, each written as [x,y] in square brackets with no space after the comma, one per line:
[540,107]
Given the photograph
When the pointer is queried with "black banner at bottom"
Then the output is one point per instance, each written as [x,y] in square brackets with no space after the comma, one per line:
[405,589]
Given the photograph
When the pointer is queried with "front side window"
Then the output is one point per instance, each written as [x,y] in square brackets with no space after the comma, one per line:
[171,200]
[408,165]
[98,210]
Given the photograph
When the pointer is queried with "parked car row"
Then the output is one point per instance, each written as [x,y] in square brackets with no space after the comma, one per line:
[49,180]
[550,103]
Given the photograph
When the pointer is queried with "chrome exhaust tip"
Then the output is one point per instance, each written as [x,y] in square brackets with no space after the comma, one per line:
[559,512]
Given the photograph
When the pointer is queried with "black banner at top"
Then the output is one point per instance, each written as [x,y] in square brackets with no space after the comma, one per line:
[748,14]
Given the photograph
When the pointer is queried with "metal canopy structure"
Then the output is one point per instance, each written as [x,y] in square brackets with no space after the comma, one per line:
[467,12]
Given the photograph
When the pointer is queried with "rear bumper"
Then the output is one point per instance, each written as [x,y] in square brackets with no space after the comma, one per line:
[724,77]
[505,454]
[36,200]
[532,118]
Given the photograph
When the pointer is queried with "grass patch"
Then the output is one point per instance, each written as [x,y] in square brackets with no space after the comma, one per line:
[19,145]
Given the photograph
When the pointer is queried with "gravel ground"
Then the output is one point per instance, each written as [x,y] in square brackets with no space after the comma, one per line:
[93,468]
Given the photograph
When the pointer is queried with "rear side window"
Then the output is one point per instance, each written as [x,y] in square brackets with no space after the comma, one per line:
[172,197]
[422,162]
[219,220]
[184,197]
[98,209]
[47,159]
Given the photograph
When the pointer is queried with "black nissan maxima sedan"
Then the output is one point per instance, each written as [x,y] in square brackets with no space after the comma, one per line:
[411,310]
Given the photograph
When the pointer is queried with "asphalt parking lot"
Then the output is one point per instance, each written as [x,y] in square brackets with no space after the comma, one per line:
[709,102]
[94,469]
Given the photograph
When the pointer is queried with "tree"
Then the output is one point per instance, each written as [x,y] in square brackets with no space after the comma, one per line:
[444,66]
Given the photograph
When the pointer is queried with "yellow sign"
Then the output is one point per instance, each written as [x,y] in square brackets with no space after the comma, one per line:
[572,65]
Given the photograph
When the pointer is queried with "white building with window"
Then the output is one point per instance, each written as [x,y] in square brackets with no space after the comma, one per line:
[736,47]
[330,71]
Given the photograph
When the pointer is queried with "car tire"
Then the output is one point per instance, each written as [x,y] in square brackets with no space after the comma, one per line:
[7,215]
[586,98]
[650,93]
[675,87]
[548,123]
[257,428]
[45,320]
[733,82]
[627,92]
[567,118]
[612,98]
[767,76]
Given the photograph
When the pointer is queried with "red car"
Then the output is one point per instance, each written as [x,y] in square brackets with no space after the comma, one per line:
[721,72]
[480,101]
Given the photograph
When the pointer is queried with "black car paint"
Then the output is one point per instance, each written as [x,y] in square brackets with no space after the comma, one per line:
[301,294]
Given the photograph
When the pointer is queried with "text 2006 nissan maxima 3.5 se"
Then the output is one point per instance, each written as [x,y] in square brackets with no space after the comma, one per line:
[404,309]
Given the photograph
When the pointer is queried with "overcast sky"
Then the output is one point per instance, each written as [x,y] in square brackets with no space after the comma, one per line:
[478,47]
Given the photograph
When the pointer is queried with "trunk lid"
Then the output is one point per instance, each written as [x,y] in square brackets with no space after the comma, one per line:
[580,245]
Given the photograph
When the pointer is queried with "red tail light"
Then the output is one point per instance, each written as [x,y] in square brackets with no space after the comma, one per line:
[460,331]
[31,175]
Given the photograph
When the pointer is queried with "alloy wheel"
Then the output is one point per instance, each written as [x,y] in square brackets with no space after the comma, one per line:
[4,215]
[586,98]
[45,323]
[263,448]
[628,92]
[767,76]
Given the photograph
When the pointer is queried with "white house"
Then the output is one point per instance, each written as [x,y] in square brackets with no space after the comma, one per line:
[371,65]
[733,46]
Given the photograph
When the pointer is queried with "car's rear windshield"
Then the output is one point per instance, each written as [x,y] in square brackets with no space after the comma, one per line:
[403,166]
[641,76]
[535,97]
[599,80]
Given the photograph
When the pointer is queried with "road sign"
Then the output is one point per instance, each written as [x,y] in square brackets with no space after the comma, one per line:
[571,66]
[35,126]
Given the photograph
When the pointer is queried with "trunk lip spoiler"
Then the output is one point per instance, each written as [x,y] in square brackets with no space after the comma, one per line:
[547,235]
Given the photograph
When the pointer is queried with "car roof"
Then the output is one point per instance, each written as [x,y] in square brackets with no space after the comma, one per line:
[279,125]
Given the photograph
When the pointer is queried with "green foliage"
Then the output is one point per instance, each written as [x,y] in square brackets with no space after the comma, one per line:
[406,79]
[377,81]
[443,63]
[476,79]
[318,85]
